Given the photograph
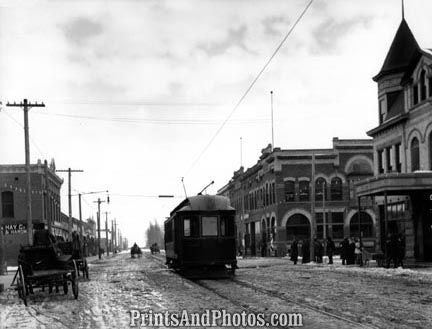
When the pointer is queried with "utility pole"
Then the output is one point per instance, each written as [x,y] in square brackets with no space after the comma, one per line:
[80,216]
[70,171]
[115,235]
[272,129]
[324,218]
[106,233]
[112,237]
[26,106]
[79,205]
[99,201]
[313,224]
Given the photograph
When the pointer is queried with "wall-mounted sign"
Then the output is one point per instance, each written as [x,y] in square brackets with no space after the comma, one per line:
[14,228]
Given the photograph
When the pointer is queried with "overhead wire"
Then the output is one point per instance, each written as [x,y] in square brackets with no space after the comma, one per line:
[42,153]
[249,88]
[153,121]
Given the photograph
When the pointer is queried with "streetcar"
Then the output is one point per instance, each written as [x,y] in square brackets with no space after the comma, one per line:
[200,237]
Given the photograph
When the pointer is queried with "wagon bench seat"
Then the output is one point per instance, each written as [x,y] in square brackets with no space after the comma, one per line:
[44,273]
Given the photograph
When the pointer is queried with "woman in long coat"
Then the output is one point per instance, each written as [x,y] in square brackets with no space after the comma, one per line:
[294,251]
[305,251]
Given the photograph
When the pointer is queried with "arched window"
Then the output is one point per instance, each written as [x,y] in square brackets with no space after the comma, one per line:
[320,187]
[336,188]
[365,224]
[304,190]
[289,191]
[298,226]
[415,155]
[7,204]
[422,85]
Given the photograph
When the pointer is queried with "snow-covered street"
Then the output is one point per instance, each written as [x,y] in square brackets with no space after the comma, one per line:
[326,296]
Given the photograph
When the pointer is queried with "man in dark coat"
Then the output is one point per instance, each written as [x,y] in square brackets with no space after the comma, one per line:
[294,251]
[392,250]
[330,249]
[351,252]
[400,249]
[344,250]
[305,251]
[318,251]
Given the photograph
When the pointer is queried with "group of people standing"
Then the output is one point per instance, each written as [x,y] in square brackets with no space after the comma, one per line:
[395,249]
[318,250]
[351,251]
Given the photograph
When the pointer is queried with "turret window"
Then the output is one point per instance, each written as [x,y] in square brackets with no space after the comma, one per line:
[415,155]
[422,84]
[415,95]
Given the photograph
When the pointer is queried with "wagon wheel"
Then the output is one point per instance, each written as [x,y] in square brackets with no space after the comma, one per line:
[75,281]
[21,286]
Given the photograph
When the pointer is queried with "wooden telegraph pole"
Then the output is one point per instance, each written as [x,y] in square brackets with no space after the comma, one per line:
[26,106]
[106,233]
[70,171]
[99,201]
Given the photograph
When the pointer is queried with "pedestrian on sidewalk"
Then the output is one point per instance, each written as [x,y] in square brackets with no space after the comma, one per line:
[305,251]
[330,249]
[344,250]
[392,250]
[318,250]
[351,252]
[294,251]
[358,253]
[400,249]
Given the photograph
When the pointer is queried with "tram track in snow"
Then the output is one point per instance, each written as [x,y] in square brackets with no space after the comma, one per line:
[270,293]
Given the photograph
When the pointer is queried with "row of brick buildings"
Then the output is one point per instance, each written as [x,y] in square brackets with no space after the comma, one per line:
[365,187]
[46,210]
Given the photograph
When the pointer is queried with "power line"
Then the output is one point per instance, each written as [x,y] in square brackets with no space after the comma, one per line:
[251,85]
[155,121]
[42,153]
[136,103]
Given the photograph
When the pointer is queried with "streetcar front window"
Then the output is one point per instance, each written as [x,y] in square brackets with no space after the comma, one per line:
[191,226]
[186,227]
[209,226]
[227,226]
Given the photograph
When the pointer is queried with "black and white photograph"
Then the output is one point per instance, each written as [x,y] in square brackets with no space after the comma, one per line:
[215,164]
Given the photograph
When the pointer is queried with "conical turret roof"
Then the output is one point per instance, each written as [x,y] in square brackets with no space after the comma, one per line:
[402,50]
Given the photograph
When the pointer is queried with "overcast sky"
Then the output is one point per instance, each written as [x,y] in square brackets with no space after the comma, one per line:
[135,90]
